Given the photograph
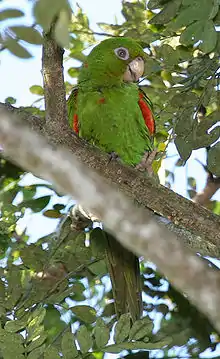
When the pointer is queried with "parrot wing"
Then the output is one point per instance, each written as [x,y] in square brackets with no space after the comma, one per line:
[146,107]
[72,110]
[144,103]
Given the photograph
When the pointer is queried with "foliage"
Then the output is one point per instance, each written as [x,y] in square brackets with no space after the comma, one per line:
[54,293]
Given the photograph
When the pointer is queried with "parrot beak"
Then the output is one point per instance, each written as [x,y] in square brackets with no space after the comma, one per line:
[134,70]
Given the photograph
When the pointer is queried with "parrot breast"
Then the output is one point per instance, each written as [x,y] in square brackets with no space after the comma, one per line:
[113,119]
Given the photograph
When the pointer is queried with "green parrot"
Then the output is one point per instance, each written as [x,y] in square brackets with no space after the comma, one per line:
[108,109]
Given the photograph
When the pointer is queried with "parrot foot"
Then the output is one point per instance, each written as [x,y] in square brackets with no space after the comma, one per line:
[113,156]
[146,163]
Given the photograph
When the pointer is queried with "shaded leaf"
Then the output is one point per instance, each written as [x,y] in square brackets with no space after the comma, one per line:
[52,353]
[122,328]
[168,13]
[61,31]
[51,213]
[68,346]
[10,13]
[102,333]
[28,34]
[203,31]
[45,17]
[184,147]
[84,339]
[16,49]
[37,204]
[85,313]
[37,353]
[36,343]
[10,100]
[117,348]
[213,159]
[98,268]
[141,328]
[13,326]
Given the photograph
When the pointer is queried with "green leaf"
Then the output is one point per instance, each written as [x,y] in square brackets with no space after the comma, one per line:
[10,13]
[117,348]
[122,328]
[192,182]
[85,313]
[10,100]
[37,90]
[73,71]
[68,346]
[102,333]
[191,193]
[28,34]
[201,10]
[141,328]
[52,353]
[84,339]
[37,353]
[37,204]
[14,326]
[16,49]
[46,10]
[167,14]
[169,55]
[184,147]
[202,135]
[98,268]
[203,31]
[51,213]
[36,342]
[154,4]
[61,31]
[213,159]
[58,207]
[97,242]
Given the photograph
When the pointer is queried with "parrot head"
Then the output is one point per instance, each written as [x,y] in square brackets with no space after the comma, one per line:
[112,62]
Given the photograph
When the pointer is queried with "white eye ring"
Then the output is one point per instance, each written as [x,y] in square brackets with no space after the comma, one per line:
[122,53]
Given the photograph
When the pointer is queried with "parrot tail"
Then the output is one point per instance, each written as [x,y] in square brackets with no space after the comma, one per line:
[124,270]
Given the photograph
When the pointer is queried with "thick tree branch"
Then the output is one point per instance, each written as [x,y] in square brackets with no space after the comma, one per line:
[202,225]
[186,272]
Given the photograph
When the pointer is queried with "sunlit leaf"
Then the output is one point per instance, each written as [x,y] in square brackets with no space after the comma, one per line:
[37,90]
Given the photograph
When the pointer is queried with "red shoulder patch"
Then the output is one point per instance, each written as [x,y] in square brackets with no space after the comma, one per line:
[147,114]
[75,123]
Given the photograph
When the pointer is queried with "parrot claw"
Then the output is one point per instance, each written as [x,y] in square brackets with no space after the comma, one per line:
[113,156]
[146,163]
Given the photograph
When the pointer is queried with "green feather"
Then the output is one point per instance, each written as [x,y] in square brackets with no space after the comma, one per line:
[110,118]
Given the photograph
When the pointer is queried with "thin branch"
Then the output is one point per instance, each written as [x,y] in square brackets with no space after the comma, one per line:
[211,187]
[187,272]
[54,89]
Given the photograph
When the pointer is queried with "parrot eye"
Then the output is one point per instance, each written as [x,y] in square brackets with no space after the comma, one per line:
[122,53]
